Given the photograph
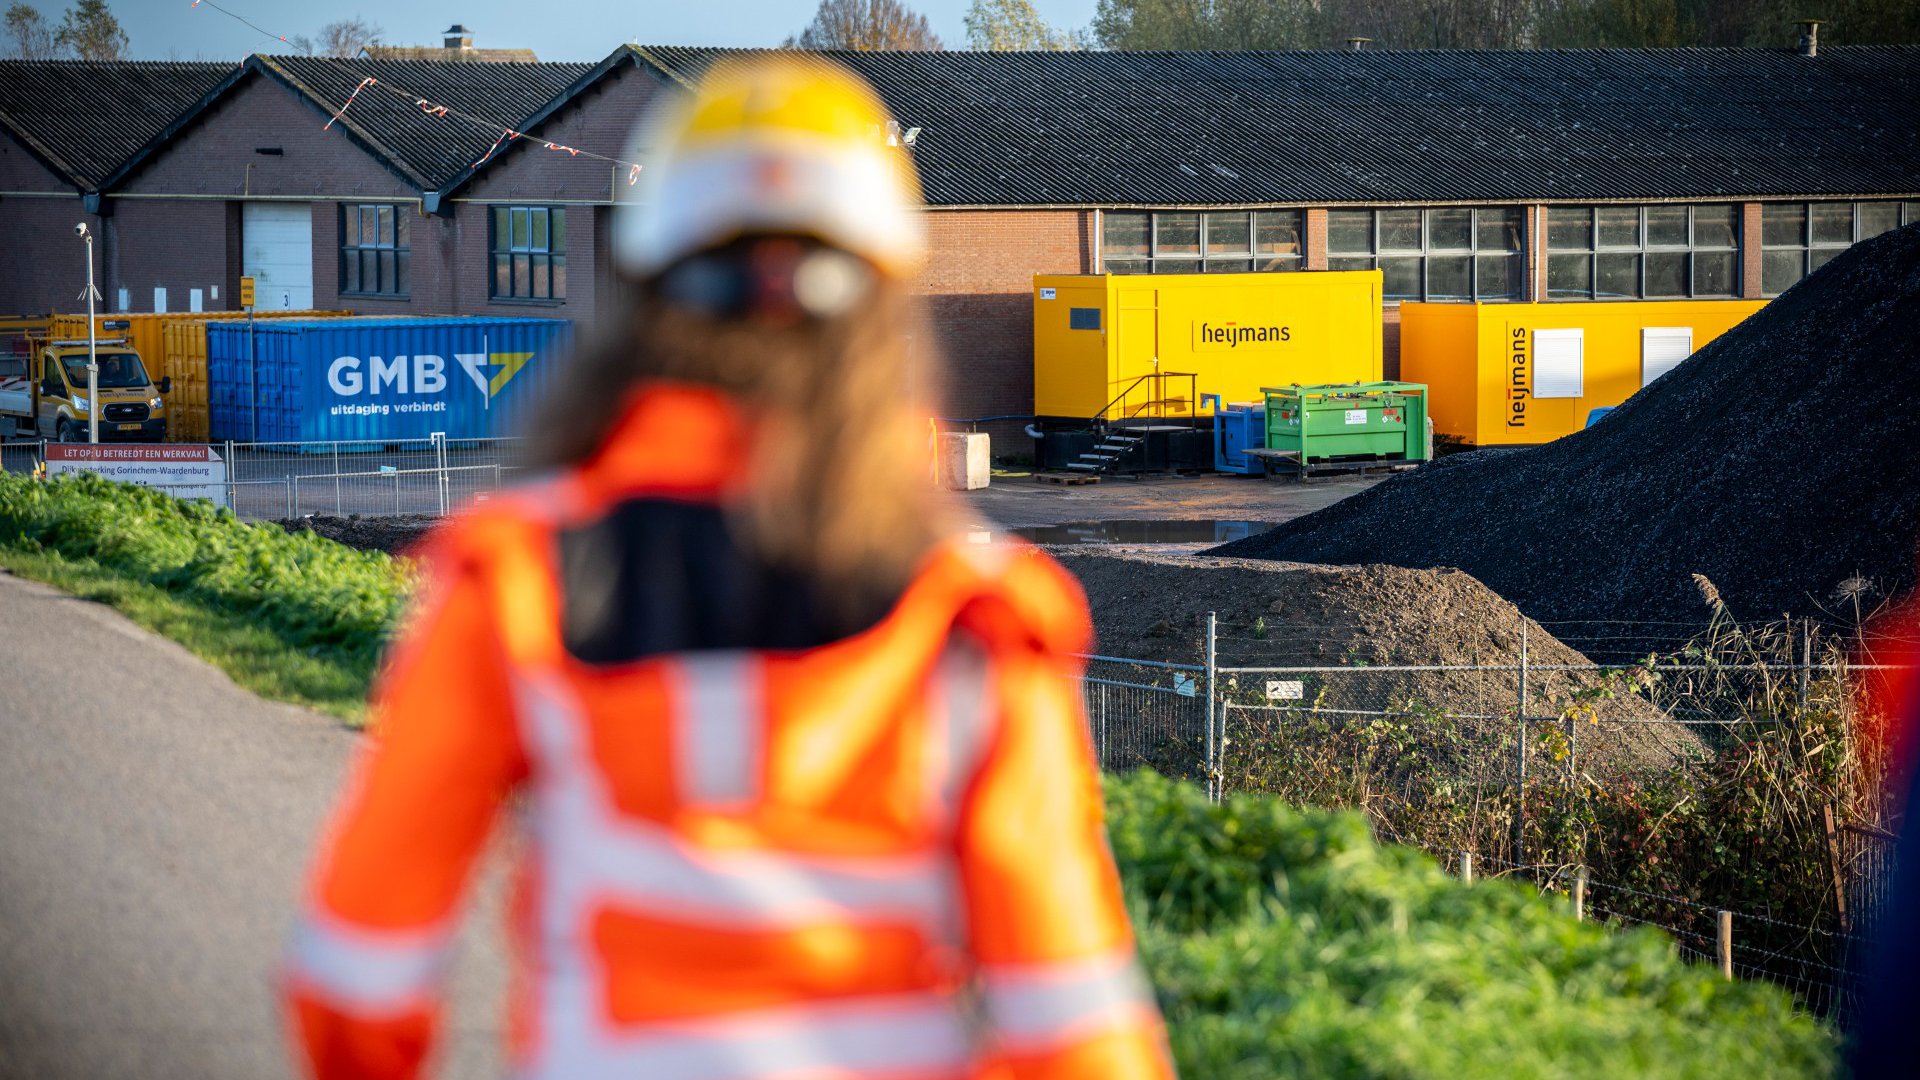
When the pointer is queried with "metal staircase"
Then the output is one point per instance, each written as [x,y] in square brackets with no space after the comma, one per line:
[1107,455]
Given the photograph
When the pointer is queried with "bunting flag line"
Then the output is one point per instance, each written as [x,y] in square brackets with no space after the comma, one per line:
[364,83]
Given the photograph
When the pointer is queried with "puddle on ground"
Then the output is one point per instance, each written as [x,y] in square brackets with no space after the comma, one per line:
[1132,532]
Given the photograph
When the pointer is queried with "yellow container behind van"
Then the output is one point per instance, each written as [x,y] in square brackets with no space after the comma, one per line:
[1516,374]
[1096,336]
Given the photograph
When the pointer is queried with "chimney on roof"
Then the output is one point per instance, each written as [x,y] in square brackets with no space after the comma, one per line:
[1359,44]
[458,37]
[1809,37]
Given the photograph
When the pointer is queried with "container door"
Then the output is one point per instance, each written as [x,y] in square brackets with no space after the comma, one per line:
[1661,350]
[276,242]
[1136,345]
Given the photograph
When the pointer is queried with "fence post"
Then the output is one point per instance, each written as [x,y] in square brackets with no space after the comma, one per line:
[1103,723]
[440,463]
[1520,759]
[1580,895]
[1806,659]
[1466,867]
[1213,771]
[337,502]
[1724,945]
[291,486]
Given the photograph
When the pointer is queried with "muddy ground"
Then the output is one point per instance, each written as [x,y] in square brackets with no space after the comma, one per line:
[1361,618]
[394,535]
[1020,500]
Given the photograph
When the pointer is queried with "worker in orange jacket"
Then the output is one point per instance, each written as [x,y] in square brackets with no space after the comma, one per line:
[808,784]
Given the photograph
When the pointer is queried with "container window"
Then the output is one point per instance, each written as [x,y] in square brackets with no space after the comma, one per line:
[1557,363]
[374,249]
[1661,350]
[528,248]
[1083,318]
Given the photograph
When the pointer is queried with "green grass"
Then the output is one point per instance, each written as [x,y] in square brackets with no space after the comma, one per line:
[286,615]
[1281,942]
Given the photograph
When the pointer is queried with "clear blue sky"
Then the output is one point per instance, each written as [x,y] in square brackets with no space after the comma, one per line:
[556,29]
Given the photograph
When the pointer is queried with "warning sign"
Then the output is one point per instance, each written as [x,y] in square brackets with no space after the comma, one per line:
[1285,689]
[186,471]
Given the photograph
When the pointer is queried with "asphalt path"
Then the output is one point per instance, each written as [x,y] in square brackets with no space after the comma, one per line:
[155,825]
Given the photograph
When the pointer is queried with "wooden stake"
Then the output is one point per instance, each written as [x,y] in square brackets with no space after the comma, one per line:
[1580,895]
[1833,858]
[1726,945]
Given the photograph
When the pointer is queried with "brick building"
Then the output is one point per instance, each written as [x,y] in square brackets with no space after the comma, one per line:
[1491,176]
[64,129]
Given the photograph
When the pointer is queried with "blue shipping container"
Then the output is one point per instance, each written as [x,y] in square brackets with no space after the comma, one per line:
[379,379]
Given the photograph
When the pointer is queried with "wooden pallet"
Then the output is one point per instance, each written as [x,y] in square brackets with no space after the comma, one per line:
[1065,479]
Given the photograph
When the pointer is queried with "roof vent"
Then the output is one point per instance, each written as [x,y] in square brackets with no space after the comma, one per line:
[458,37]
[1809,37]
[1359,44]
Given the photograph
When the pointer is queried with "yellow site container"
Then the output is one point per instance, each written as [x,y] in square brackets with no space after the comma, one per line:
[1096,336]
[1519,374]
[185,362]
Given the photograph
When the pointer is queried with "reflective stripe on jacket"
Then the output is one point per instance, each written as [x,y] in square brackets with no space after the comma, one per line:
[879,856]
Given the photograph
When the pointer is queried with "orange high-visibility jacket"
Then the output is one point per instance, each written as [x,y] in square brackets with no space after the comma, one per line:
[879,855]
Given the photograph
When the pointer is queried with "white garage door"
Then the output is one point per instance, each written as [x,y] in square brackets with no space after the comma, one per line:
[276,250]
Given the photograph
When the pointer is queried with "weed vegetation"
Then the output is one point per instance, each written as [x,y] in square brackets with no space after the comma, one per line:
[286,615]
[1286,942]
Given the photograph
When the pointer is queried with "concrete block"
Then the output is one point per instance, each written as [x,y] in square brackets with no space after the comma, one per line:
[966,460]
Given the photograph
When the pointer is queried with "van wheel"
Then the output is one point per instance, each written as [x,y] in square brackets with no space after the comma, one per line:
[66,432]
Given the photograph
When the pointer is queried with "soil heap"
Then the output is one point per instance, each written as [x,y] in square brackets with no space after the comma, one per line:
[1782,462]
[1153,607]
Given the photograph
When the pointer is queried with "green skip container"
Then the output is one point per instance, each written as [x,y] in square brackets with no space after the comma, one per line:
[1378,421]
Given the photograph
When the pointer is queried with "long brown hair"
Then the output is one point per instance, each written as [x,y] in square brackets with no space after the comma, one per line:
[839,463]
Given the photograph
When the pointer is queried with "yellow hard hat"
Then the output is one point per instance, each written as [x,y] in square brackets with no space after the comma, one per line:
[783,144]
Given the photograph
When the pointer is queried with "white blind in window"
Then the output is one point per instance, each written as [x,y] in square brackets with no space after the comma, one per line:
[1558,363]
[1661,350]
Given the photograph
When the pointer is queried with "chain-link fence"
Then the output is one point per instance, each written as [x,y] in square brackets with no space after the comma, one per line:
[278,480]
[1629,773]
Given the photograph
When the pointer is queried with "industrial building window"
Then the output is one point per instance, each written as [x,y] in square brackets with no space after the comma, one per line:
[529,252]
[1636,252]
[374,256]
[1798,238]
[1445,253]
[1197,242]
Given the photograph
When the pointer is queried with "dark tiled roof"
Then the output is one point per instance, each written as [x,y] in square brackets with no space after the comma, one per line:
[1100,128]
[432,153]
[83,118]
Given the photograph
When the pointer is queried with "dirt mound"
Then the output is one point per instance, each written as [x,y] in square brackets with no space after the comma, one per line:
[393,535]
[1780,461]
[1362,619]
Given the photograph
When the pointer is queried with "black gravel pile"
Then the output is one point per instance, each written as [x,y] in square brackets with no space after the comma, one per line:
[1782,461]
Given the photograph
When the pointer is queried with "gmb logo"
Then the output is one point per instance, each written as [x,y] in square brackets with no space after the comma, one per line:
[425,373]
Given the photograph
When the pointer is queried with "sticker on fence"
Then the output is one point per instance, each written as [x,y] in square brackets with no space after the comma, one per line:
[183,470]
[1285,689]
[1186,685]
